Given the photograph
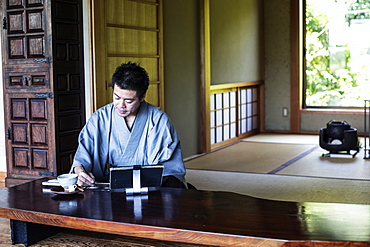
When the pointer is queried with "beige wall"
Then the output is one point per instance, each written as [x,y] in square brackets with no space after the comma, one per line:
[236,41]
[277,64]
[182,70]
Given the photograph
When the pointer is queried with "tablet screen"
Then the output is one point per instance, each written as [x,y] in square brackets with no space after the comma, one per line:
[122,177]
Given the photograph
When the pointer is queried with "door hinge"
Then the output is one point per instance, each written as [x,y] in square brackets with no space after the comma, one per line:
[47,174]
[9,135]
[5,23]
[44,95]
[43,60]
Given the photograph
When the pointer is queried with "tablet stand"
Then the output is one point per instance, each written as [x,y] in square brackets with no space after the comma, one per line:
[136,183]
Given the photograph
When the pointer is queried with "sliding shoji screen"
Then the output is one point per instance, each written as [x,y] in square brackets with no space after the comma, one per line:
[234,114]
[248,110]
[223,116]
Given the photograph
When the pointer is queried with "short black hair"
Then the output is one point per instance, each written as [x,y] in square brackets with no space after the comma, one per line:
[131,76]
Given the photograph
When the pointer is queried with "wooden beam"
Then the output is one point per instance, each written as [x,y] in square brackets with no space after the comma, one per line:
[296,67]
[205,71]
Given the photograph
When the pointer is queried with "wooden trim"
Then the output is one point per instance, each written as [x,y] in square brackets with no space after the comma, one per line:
[295,67]
[261,108]
[224,90]
[224,143]
[236,85]
[205,72]
[91,56]
[161,56]
[134,55]
[133,27]
[145,2]
[98,35]
[333,111]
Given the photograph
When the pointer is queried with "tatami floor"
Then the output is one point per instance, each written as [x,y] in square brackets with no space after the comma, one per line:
[283,167]
[283,154]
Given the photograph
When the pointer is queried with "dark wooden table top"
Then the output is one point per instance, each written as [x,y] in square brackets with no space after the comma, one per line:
[193,216]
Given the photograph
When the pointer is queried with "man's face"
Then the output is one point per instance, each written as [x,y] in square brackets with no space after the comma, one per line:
[126,102]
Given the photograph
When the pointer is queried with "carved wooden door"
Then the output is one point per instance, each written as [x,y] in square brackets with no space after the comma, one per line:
[43,85]
[28,88]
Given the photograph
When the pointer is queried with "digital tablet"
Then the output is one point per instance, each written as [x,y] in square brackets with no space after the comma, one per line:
[123,177]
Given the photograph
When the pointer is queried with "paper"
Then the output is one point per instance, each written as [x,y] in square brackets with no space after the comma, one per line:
[51,182]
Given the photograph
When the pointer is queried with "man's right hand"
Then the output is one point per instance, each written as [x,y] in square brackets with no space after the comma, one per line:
[84,179]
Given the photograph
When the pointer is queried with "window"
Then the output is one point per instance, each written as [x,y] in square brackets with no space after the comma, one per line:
[337,53]
[233,113]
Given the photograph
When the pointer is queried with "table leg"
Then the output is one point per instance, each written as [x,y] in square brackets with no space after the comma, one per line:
[29,233]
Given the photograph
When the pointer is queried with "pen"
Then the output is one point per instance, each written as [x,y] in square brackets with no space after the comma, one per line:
[85,171]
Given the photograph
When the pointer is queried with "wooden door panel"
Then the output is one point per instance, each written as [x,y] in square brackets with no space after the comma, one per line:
[15,22]
[40,158]
[128,31]
[38,109]
[26,3]
[35,21]
[26,32]
[35,46]
[29,152]
[34,78]
[20,134]
[20,157]
[68,78]
[21,46]
[39,134]
[135,42]
[18,109]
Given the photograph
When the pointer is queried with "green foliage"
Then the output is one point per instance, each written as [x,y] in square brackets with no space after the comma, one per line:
[329,79]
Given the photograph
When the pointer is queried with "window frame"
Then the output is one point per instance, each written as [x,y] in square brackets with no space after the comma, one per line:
[302,33]
[296,74]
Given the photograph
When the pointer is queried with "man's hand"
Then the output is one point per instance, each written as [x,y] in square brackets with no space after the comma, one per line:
[84,179]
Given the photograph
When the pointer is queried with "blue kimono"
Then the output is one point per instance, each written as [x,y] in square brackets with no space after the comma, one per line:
[106,139]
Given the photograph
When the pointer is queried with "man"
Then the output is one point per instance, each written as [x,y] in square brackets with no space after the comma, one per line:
[128,132]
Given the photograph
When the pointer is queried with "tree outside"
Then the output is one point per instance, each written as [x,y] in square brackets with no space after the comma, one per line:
[337,52]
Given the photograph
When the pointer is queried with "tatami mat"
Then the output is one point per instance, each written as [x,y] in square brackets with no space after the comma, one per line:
[283,167]
[283,187]
[252,157]
[314,165]
[283,138]
[282,154]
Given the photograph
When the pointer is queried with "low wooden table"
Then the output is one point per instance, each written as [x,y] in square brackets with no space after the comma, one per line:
[189,216]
